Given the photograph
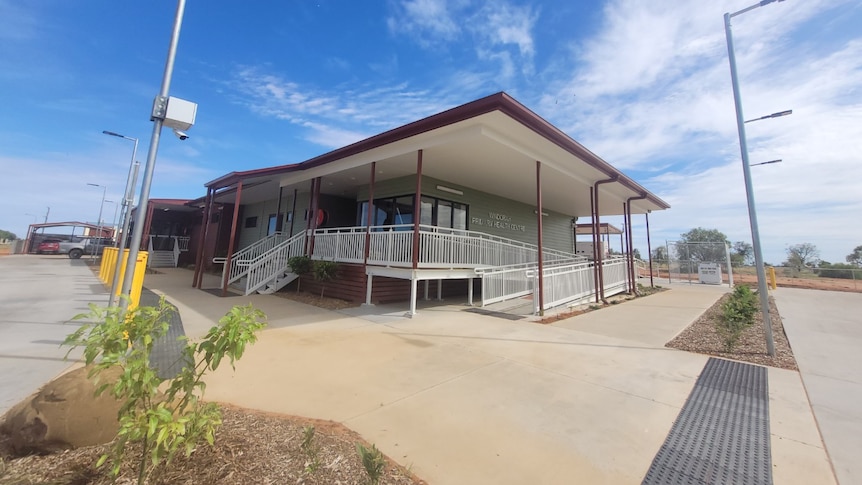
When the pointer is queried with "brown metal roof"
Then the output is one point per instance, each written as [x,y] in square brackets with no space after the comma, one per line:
[501,102]
[605,228]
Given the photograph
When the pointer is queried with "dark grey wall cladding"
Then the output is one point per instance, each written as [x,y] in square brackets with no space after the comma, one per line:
[488,213]
[722,433]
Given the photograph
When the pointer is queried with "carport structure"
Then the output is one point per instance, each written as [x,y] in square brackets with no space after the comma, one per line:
[34,238]
[487,190]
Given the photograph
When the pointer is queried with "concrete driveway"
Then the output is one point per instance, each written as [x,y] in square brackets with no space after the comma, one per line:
[467,398]
[825,330]
[39,295]
[463,398]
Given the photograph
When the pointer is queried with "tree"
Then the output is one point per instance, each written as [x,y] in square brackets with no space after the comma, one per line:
[162,416]
[636,253]
[702,245]
[804,254]
[855,257]
[324,272]
[659,254]
[742,253]
[299,265]
[7,235]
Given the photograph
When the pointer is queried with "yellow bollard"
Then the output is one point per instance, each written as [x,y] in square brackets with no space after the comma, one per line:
[138,280]
[103,265]
[112,266]
[122,271]
[772,282]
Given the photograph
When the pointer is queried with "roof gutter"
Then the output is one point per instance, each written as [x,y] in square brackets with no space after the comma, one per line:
[630,241]
[597,254]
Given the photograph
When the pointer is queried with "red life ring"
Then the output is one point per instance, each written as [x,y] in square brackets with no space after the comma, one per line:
[322,217]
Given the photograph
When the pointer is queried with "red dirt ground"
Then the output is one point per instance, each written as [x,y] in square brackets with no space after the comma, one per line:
[831,284]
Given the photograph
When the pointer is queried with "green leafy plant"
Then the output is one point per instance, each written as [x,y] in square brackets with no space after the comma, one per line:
[310,449]
[177,419]
[737,314]
[299,265]
[324,272]
[373,462]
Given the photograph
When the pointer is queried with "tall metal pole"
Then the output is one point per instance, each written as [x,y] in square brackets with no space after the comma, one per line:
[143,201]
[749,191]
[99,220]
[125,215]
[649,251]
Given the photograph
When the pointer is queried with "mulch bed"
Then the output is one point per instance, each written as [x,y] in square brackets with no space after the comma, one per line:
[703,338]
[315,299]
[250,447]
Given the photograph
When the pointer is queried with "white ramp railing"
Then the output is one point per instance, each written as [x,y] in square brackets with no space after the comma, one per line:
[568,283]
[438,247]
[614,271]
[504,283]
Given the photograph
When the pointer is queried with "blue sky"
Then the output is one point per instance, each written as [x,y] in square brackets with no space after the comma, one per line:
[645,85]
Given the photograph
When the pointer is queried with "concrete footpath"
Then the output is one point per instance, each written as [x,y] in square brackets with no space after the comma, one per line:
[468,398]
[825,331]
[463,397]
[39,295]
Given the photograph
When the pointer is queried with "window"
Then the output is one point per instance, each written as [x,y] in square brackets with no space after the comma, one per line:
[274,223]
[250,222]
[399,211]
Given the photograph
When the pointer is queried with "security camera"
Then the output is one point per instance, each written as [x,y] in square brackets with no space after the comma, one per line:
[182,135]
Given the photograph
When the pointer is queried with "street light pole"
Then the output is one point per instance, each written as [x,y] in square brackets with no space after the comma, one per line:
[746,171]
[135,243]
[114,220]
[125,214]
[99,220]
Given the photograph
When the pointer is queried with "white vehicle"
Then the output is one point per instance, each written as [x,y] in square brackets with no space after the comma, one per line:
[79,246]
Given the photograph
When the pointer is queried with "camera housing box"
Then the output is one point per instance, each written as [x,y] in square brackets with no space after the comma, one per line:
[180,114]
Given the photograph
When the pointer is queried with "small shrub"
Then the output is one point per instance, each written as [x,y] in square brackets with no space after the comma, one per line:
[299,265]
[737,314]
[372,461]
[177,419]
[310,449]
[324,272]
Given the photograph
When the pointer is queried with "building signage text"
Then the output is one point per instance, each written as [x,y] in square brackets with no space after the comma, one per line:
[498,221]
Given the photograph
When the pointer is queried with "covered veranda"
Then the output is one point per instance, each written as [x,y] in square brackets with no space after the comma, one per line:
[490,149]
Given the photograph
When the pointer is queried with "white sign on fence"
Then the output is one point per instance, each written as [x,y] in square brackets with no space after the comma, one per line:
[709,273]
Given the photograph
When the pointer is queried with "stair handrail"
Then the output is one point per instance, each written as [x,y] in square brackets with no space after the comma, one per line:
[241,259]
[266,267]
[176,251]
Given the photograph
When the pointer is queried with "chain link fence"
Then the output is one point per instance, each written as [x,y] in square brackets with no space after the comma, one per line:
[693,262]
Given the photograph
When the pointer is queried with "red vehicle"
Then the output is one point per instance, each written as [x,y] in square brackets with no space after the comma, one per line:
[49,246]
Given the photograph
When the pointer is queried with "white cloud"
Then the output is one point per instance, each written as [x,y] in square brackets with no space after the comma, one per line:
[501,32]
[506,24]
[651,93]
[59,181]
[427,21]
[341,116]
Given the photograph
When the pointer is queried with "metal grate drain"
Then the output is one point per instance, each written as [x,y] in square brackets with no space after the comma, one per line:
[722,433]
[167,355]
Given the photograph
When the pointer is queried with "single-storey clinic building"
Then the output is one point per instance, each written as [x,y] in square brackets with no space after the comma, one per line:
[482,198]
